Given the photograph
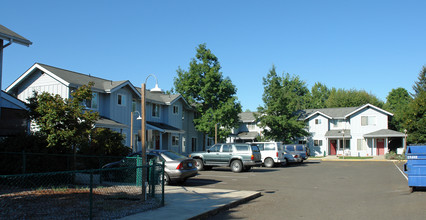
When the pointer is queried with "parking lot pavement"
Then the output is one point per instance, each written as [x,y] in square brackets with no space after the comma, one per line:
[195,203]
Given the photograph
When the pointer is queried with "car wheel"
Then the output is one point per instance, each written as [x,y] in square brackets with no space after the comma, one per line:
[199,165]
[236,166]
[166,179]
[269,162]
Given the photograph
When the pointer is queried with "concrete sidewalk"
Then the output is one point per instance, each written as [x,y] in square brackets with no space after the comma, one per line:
[336,158]
[195,203]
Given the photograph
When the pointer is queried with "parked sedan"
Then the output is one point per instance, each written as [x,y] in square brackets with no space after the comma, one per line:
[178,168]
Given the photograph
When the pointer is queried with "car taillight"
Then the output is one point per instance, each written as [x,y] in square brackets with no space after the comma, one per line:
[180,166]
[277,154]
[296,156]
[252,157]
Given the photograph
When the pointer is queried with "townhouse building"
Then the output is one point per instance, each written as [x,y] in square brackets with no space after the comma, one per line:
[354,131]
[168,117]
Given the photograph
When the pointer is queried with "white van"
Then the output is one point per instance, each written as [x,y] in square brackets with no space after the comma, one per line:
[272,153]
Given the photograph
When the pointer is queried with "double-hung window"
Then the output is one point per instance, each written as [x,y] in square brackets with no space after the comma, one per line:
[155,110]
[368,120]
[92,103]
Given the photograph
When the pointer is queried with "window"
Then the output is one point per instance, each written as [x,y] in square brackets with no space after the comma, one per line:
[175,140]
[194,144]
[215,148]
[317,121]
[338,123]
[368,120]
[361,145]
[121,100]
[270,147]
[251,126]
[242,147]
[155,110]
[93,103]
[317,142]
[260,146]
[226,148]
[133,105]
[175,109]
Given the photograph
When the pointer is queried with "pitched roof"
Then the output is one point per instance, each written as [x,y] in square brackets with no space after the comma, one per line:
[338,133]
[76,78]
[385,133]
[247,116]
[337,113]
[71,78]
[11,36]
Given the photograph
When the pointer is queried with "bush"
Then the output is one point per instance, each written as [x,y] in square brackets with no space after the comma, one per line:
[394,156]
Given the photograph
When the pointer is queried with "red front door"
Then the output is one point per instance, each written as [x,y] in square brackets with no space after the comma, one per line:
[333,147]
[380,147]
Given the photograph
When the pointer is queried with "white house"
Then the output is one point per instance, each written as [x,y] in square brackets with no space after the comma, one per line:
[248,131]
[169,117]
[354,131]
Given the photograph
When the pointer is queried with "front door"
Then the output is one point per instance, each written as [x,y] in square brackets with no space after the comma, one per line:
[380,147]
[333,145]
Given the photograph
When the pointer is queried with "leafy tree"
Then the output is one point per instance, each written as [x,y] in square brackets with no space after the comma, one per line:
[213,96]
[420,85]
[415,119]
[282,97]
[319,96]
[64,122]
[351,98]
[397,102]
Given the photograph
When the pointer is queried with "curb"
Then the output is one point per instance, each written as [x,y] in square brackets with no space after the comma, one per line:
[225,207]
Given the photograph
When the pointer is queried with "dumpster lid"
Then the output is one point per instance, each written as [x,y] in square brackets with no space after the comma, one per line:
[416,149]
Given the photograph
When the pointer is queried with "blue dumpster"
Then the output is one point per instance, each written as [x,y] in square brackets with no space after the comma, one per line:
[415,167]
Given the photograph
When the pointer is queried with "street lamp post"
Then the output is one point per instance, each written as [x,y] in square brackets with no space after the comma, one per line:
[343,132]
[143,130]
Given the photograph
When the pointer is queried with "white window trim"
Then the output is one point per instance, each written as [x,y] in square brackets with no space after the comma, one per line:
[159,110]
[173,110]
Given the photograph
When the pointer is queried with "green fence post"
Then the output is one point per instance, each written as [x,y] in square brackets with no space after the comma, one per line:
[91,196]
[139,171]
[162,184]
[151,179]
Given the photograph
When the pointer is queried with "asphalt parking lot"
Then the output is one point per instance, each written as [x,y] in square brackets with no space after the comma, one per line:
[320,190]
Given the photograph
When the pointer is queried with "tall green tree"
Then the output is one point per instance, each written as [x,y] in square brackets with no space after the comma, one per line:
[64,122]
[351,98]
[282,97]
[319,96]
[397,102]
[415,119]
[213,96]
[420,85]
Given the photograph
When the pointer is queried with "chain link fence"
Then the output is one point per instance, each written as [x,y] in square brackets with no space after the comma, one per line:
[84,194]
[28,162]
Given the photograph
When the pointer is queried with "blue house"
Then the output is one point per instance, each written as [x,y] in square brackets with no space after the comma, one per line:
[169,117]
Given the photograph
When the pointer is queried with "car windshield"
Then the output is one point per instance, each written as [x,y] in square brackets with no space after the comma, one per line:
[172,155]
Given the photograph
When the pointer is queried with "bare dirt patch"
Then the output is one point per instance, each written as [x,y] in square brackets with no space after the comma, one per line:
[74,203]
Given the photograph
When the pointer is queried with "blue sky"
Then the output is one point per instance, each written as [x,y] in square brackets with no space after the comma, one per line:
[374,46]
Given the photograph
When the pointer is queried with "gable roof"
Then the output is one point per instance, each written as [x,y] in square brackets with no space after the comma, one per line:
[247,116]
[74,79]
[385,133]
[337,113]
[11,36]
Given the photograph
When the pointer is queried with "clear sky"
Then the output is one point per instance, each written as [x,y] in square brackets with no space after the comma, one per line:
[370,45]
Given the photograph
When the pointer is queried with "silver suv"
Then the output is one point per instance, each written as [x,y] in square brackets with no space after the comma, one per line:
[237,156]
